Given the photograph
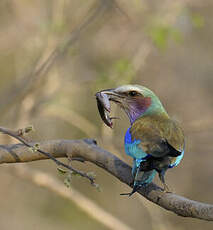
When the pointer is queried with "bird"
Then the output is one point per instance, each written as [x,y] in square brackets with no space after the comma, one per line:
[154,140]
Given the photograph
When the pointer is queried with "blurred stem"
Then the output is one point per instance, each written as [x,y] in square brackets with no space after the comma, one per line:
[73,118]
[44,180]
[29,82]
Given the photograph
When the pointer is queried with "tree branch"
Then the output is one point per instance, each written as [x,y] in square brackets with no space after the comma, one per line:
[19,136]
[89,151]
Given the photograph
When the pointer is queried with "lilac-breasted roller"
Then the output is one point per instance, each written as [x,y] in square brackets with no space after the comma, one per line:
[153,140]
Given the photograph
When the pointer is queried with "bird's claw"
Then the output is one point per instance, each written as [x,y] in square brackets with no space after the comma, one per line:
[126,194]
[135,189]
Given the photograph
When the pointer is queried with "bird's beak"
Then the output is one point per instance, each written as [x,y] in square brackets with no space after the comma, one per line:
[112,95]
[108,91]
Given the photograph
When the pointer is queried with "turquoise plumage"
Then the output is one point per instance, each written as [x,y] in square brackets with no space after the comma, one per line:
[153,140]
[139,156]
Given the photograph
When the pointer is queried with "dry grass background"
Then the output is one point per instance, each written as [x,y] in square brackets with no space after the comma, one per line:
[164,45]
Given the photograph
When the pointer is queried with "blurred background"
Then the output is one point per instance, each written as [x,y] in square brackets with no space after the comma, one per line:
[54,56]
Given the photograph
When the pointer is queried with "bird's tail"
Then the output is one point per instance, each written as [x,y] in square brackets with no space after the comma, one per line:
[141,179]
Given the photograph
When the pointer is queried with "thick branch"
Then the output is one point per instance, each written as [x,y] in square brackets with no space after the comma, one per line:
[88,150]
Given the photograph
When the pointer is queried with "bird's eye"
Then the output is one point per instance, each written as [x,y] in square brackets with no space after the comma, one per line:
[133,93]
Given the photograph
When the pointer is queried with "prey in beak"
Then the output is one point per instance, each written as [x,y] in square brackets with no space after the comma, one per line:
[103,102]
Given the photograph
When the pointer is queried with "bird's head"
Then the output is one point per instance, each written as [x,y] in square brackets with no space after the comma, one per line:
[135,100]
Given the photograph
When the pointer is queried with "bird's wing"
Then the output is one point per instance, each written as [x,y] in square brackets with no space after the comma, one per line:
[158,137]
[133,149]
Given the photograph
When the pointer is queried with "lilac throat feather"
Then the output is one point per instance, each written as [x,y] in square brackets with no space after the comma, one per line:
[137,108]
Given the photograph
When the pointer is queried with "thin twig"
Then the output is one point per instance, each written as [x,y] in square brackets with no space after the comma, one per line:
[15,134]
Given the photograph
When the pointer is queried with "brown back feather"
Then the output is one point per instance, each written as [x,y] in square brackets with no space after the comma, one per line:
[155,131]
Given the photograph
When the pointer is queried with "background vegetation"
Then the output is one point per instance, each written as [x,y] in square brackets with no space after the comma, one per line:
[164,45]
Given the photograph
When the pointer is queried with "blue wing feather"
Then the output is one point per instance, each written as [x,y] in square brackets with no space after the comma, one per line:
[132,149]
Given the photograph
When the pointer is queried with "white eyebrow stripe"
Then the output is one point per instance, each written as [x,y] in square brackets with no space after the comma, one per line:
[126,88]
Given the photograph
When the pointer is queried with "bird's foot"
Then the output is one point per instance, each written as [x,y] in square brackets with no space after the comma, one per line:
[135,189]
[126,194]
[130,193]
